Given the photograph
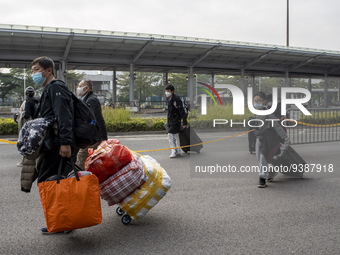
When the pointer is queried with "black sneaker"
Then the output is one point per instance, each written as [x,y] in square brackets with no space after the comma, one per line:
[262,183]
[45,231]
[69,231]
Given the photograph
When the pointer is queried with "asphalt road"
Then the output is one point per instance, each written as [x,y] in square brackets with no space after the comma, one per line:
[201,214]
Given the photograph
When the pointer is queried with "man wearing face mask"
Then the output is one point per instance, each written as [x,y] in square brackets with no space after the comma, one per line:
[85,91]
[176,117]
[56,103]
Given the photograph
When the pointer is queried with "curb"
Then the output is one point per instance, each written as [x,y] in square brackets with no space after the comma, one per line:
[211,130]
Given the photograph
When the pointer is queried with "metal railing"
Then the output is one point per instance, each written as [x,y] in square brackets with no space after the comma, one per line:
[142,104]
[322,126]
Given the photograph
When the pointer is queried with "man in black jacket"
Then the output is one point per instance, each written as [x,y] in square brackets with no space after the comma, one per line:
[56,103]
[176,117]
[85,91]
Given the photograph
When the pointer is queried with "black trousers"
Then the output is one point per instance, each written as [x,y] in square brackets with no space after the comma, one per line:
[48,163]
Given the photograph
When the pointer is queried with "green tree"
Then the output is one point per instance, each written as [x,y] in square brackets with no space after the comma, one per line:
[7,85]
[72,79]
[12,83]
[227,79]
[180,82]
[146,85]
[20,75]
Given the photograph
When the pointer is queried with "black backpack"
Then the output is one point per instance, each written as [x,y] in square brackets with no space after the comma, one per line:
[86,129]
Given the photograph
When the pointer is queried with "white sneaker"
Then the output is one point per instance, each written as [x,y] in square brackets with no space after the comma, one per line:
[173,155]
[19,164]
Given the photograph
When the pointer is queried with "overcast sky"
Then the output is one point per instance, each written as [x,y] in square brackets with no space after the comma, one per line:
[313,23]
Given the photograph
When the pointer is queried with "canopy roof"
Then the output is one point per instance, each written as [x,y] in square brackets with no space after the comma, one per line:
[106,50]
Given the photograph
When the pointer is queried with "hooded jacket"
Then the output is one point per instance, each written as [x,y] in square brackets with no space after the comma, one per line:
[92,100]
[56,103]
[30,107]
[176,114]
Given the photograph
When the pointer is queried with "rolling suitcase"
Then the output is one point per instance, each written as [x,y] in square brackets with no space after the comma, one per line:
[251,139]
[188,137]
[295,165]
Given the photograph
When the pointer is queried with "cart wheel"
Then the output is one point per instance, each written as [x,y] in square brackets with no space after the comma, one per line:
[119,211]
[198,152]
[126,219]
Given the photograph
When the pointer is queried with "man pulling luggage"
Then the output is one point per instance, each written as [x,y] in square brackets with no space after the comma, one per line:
[176,117]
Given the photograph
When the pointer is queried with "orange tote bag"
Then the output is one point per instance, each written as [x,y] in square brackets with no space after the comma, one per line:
[71,203]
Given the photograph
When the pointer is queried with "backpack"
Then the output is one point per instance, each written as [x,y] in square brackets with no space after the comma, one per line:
[86,129]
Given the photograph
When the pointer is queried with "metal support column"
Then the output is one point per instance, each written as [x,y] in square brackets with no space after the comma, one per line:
[114,88]
[213,80]
[191,86]
[165,83]
[325,92]
[24,83]
[242,84]
[253,85]
[64,72]
[132,84]
[61,73]
[165,79]
[57,71]
[310,103]
[287,80]
[287,32]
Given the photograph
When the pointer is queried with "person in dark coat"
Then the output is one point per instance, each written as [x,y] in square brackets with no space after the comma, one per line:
[31,103]
[85,91]
[177,119]
[26,113]
[28,108]
[56,103]
[270,140]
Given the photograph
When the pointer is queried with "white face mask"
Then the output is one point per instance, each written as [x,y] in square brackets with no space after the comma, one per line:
[80,91]
[167,94]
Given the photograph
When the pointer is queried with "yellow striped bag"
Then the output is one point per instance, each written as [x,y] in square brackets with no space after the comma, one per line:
[147,196]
